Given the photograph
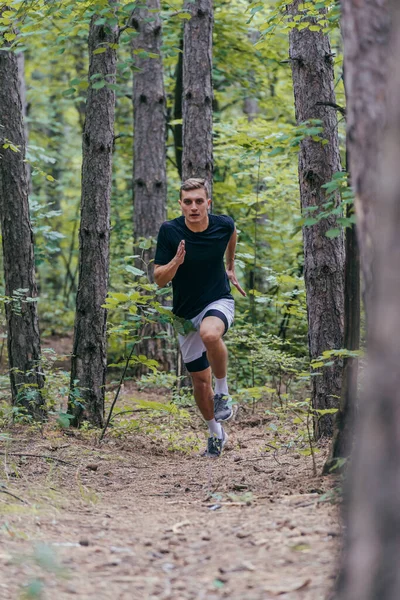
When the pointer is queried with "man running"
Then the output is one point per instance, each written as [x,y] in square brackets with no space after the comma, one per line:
[190,252]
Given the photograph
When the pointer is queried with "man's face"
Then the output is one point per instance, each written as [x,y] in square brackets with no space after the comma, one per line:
[195,205]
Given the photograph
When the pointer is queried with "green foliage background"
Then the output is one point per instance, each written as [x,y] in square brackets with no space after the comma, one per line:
[255,181]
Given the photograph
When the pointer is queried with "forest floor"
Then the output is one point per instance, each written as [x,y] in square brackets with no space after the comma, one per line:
[132,519]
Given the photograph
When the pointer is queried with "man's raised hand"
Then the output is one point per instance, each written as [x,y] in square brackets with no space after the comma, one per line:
[180,253]
[233,279]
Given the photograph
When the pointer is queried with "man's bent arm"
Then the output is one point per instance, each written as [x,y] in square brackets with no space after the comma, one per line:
[230,252]
[163,274]
[230,262]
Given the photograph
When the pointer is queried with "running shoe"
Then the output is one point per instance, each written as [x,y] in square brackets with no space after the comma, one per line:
[215,445]
[222,407]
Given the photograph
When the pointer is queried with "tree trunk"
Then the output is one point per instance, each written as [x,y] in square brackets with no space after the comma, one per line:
[313,81]
[365,37]
[149,104]
[344,419]
[197,159]
[89,361]
[23,340]
[370,566]
[149,173]
[250,104]
[178,110]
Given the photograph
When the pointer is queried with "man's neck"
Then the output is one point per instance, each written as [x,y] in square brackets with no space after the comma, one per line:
[197,227]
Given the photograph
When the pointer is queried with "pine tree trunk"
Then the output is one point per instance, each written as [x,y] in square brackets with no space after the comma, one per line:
[365,38]
[250,104]
[344,418]
[23,340]
[150,173]
[178,143]
[313,81]
[89,361]
[149,104]
[370,563]
[197,160]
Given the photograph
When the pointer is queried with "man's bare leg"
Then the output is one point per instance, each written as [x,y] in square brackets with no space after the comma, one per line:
[203,393]
[204,396]
[211,332]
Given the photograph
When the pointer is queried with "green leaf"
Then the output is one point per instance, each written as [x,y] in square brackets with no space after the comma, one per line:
[33,590]
[310,221]
[134,270]
[333,233]
[99,50]
[64,420]
[145,244]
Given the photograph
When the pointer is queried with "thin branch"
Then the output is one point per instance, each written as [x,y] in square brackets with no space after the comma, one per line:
[119,387]
[40,456]
[128,24]
[122,135]
[13,496]
[310,441]
[337,107]
[172,161]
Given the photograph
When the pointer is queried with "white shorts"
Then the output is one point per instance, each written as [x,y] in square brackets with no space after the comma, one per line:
[193,350]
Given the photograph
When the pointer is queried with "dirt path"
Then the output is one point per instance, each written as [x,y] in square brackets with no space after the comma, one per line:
[132,521]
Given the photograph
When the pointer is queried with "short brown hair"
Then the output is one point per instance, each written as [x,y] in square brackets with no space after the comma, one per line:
[195,183]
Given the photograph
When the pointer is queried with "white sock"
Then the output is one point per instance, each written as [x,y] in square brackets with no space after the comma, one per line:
[221,386]
[215,428]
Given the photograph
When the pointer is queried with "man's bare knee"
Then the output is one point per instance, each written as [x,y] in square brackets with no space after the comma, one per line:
[210,339]
[210,336]
[201,378]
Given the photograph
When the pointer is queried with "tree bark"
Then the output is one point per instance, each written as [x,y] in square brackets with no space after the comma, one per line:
[178,143]
[89,361]
[250,104]
[197,159]
[370,561]
[150,172]
[313,82]
[344,419]
[149,104]
[23,340]
[365,30]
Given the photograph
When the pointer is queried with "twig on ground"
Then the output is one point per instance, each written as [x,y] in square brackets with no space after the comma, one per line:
[275,459]
[40,456]
[13,496]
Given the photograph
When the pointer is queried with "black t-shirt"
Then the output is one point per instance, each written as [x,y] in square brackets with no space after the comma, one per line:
[201,278]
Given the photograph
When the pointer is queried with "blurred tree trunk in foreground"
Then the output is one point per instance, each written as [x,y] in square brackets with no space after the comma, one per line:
[370,565]
[365,40]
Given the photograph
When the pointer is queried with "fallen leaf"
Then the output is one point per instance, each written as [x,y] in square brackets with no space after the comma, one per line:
[295,588]
[175,528]
[300,587]
[214,507]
